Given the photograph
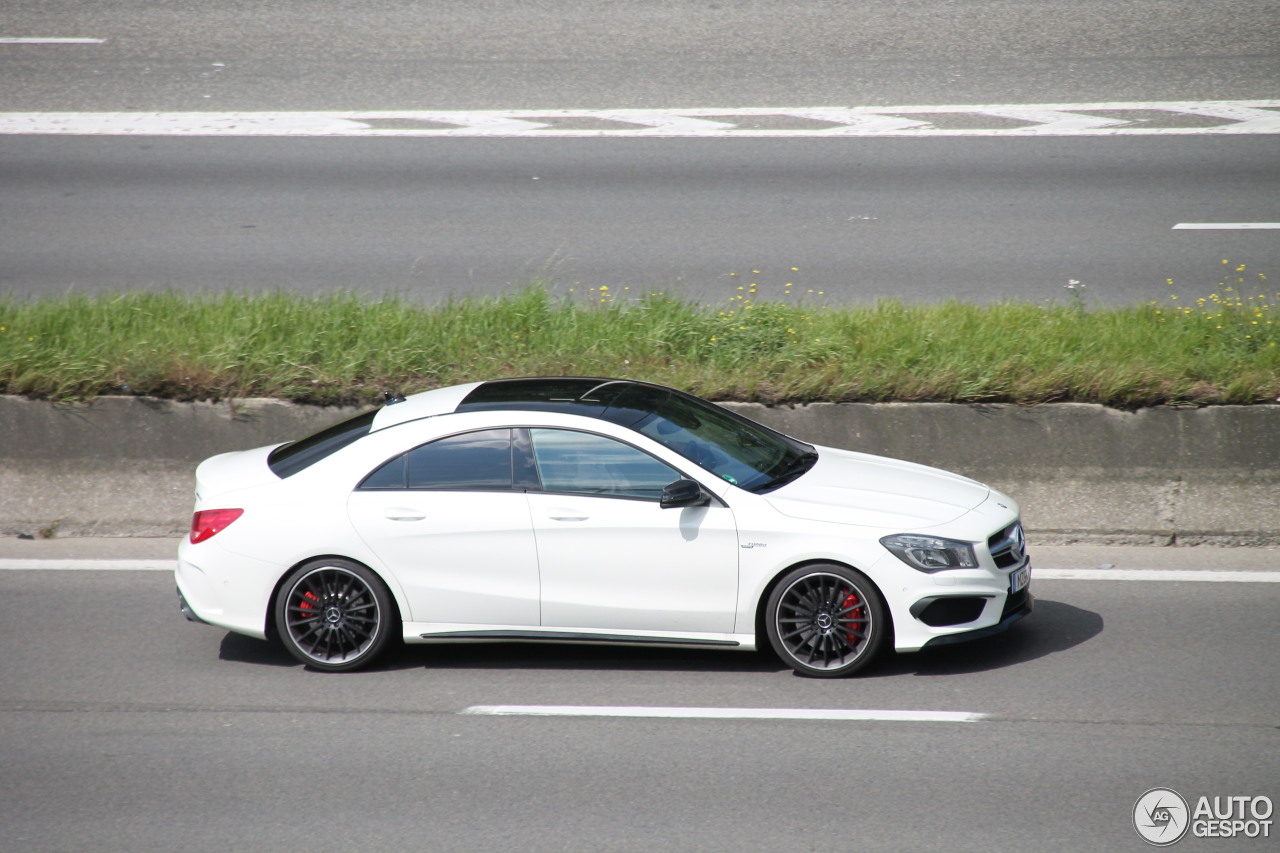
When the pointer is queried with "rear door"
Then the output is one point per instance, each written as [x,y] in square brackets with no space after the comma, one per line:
[446,518]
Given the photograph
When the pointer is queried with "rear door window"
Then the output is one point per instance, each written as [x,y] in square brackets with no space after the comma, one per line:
[471,461]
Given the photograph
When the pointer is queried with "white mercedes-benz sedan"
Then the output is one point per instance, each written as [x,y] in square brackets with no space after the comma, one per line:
[585,510]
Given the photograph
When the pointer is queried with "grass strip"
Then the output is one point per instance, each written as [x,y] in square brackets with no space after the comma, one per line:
[345,349]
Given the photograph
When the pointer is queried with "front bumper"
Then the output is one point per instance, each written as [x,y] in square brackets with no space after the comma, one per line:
[1016,606]
[960,605]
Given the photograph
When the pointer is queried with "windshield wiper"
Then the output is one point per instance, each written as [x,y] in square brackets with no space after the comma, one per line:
[798,467]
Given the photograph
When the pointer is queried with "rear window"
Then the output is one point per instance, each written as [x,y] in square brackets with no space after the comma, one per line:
[289,459]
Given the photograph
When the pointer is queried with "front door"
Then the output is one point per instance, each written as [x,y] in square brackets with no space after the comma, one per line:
[611,557]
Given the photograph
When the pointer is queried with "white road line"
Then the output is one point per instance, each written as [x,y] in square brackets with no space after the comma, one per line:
[28,565]
[722,713]
[1224,226]
[1100,119]
[42,40]
[1168,575]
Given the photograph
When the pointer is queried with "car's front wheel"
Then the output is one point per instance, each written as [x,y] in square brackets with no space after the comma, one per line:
[826,621]
[335,615]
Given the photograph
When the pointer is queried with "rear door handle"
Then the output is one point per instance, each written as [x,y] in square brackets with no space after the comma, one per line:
[400,513]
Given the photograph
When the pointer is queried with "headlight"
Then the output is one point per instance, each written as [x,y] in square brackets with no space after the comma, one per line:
[931,553]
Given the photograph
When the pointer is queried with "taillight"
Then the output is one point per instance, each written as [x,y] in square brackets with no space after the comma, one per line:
[208,522]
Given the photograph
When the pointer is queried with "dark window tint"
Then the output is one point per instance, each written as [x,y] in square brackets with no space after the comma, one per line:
[473,460]
[393,475]
[588,397]
[291,458]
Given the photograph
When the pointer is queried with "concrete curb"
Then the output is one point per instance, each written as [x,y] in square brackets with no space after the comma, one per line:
[122,466]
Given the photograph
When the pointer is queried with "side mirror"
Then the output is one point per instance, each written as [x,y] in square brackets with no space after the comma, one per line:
[683,493]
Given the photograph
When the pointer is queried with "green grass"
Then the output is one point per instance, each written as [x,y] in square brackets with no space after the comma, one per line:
[1222,349]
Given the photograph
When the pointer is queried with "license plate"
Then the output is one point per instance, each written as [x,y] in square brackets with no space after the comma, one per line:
[1018,580]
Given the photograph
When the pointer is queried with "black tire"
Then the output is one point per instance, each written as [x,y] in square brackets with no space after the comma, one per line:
[335,615]
[826,621]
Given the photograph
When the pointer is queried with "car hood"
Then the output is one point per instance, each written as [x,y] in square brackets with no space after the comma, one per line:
[875,491]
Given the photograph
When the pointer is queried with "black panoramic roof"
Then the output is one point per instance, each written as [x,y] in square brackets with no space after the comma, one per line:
[622,401]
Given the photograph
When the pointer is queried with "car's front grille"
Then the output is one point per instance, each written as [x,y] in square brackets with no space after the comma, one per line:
[1008,546]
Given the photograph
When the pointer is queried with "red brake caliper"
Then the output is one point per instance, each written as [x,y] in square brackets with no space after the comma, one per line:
[851,600]
[307,598]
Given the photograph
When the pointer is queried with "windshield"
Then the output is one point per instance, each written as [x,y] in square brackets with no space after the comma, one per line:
[728,445]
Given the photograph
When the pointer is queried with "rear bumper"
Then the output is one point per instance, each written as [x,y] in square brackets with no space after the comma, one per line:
[226,590]
[185,609]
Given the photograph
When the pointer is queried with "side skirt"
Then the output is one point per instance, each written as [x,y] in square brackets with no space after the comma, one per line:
[574,637]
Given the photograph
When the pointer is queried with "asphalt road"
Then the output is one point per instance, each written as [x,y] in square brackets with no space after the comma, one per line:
[850,219]
[385,54]
[921,219]
[125,728]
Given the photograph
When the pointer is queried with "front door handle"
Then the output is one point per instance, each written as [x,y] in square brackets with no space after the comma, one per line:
[564,514]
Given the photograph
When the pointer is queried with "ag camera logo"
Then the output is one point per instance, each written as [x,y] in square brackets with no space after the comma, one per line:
[1161,817]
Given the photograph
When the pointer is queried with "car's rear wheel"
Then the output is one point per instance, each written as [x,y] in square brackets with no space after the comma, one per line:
[826,621]
[335,615]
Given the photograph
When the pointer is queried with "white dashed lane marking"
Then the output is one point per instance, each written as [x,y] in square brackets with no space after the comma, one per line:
[1225,226]
[80,565]
[1166,575]
[722,713]
[48,40]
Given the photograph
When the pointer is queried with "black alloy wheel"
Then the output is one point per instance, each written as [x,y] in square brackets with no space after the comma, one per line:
[826,621]
[335,615]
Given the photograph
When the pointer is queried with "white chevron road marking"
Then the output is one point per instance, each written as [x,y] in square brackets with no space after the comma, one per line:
[1054,121]
[1099,119]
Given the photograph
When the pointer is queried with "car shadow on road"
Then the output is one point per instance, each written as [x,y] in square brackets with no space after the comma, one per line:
[1053,627]
[564,656]
[236,648]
